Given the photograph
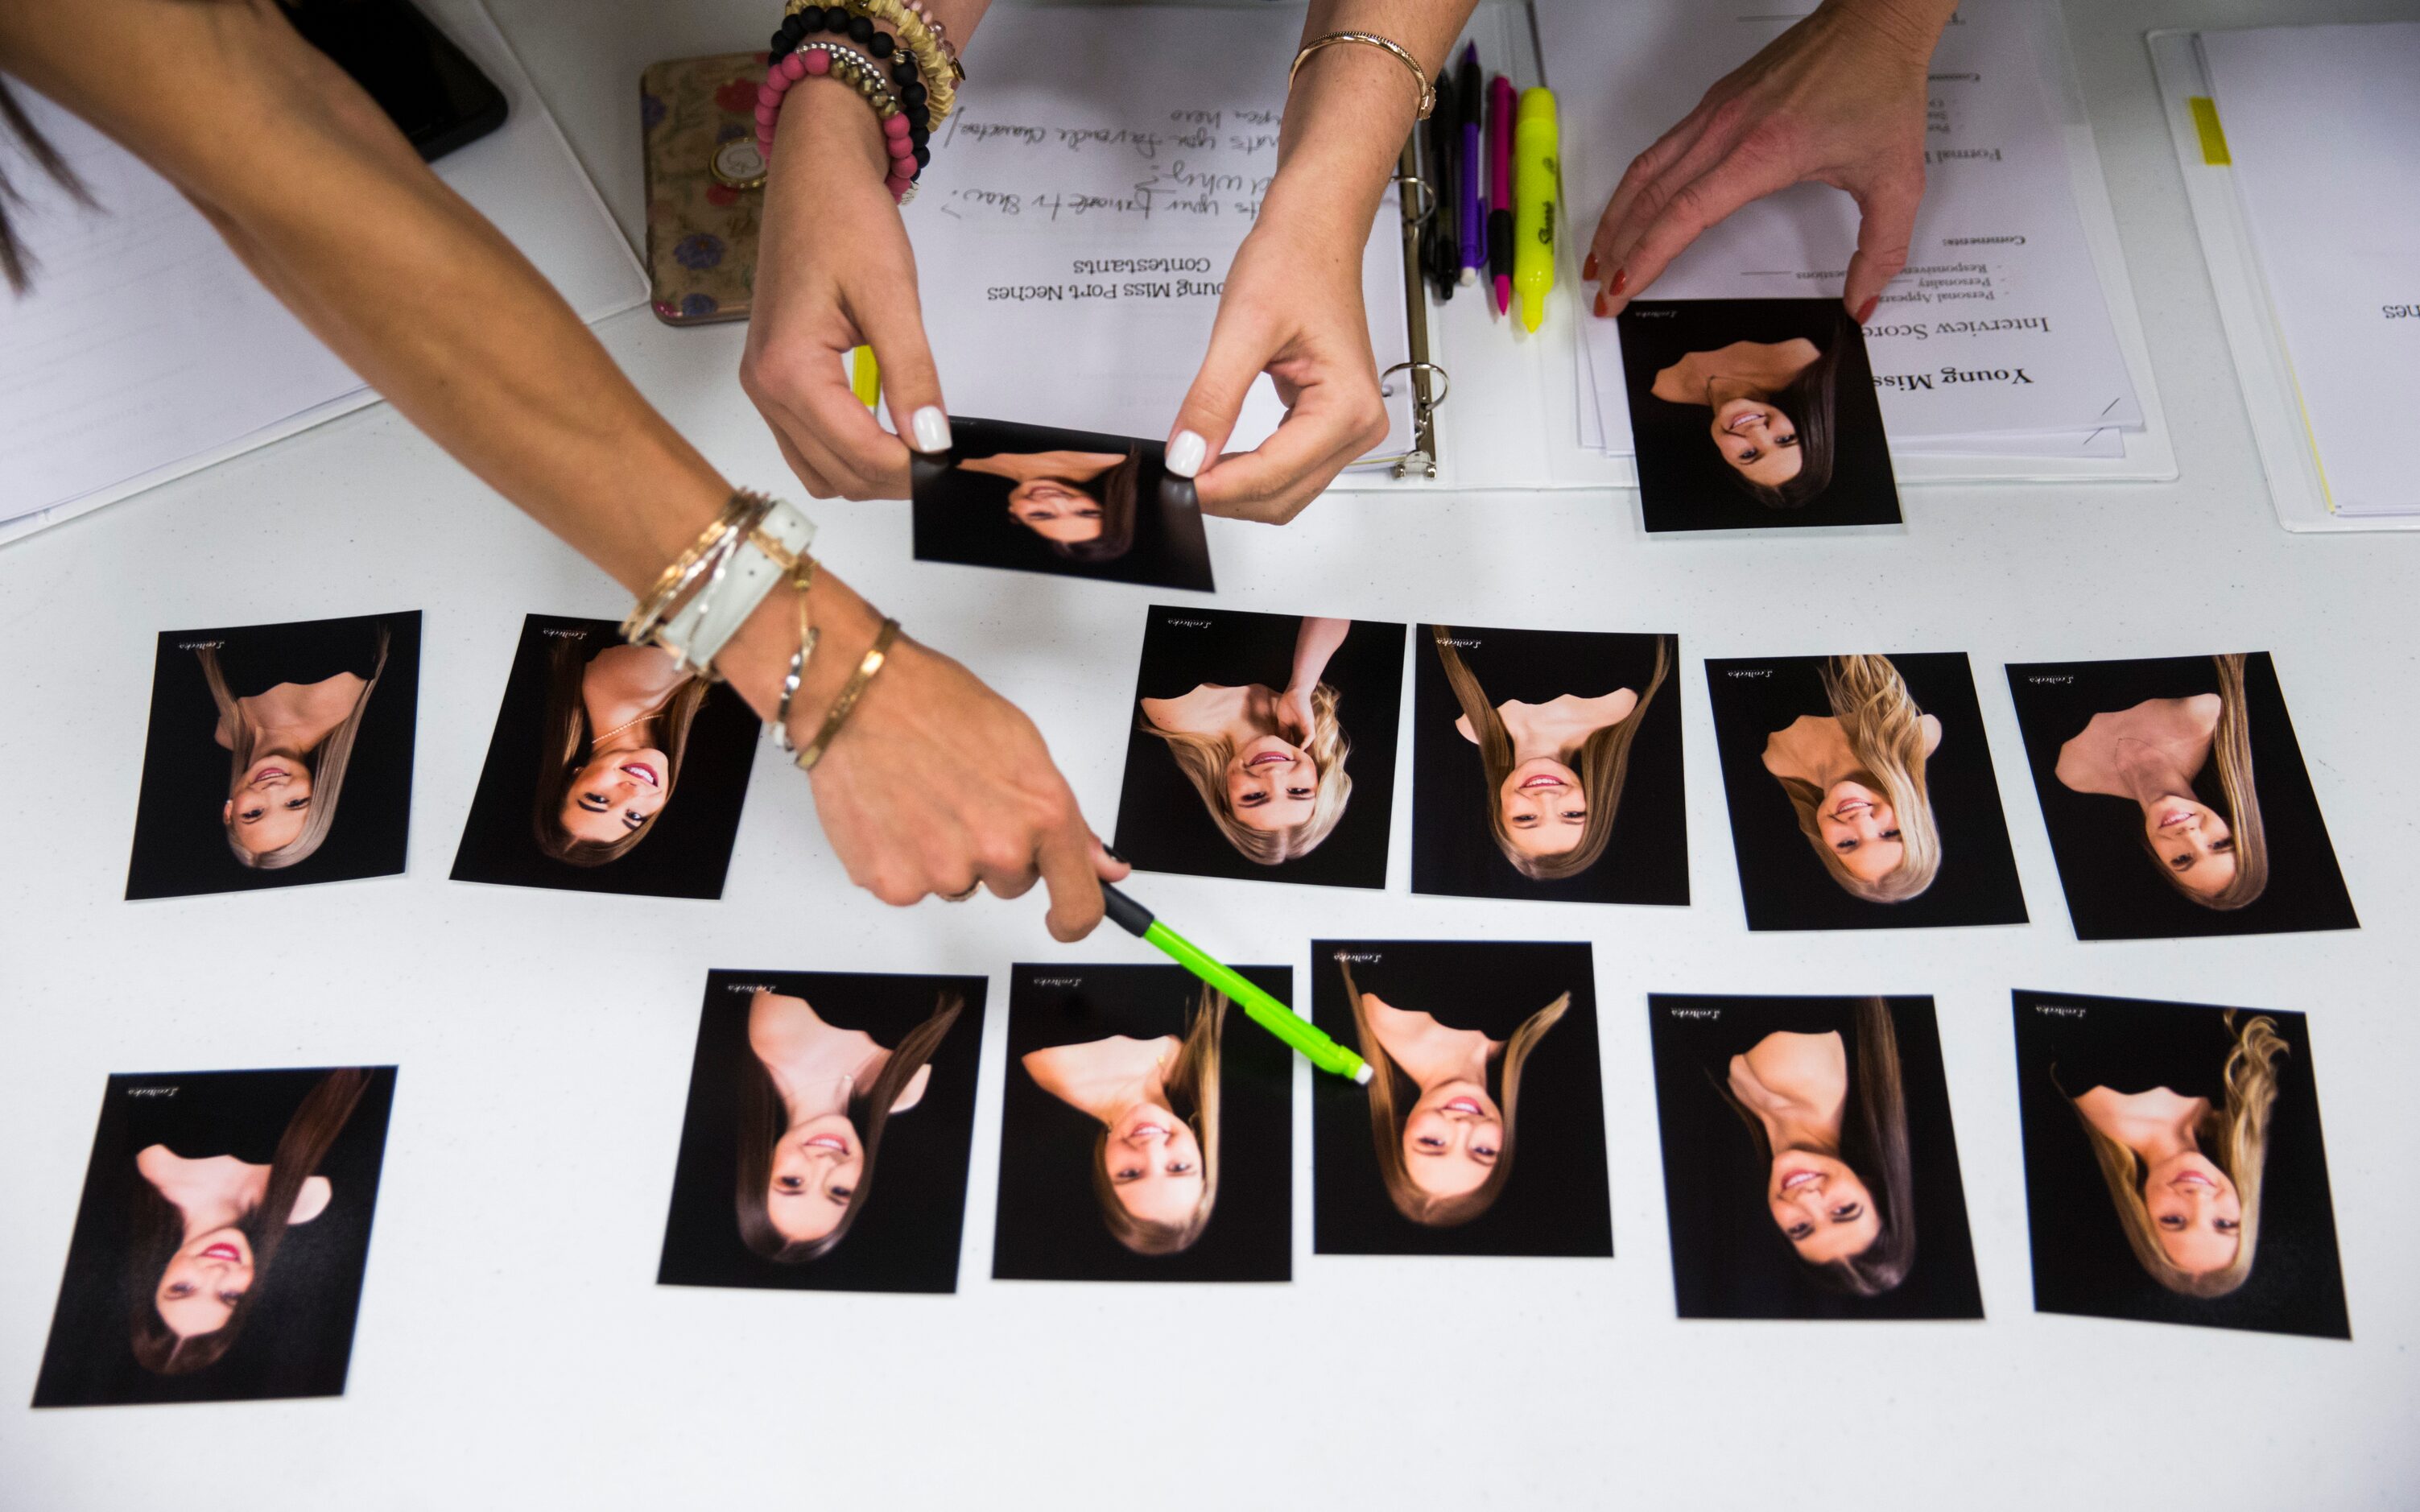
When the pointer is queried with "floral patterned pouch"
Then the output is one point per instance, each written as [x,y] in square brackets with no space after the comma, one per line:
[706,185]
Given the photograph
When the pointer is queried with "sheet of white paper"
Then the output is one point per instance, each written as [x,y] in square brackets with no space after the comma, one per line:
[2321,123]
[1998,323]
[146,349]
[1085,200]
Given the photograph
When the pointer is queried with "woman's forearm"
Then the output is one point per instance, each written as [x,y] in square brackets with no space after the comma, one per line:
[1353,104]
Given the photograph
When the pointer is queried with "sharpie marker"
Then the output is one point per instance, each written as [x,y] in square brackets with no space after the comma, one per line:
[1535,173]
[1264,1010]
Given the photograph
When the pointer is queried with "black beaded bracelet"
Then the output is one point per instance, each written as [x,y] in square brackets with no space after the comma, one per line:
[911,94]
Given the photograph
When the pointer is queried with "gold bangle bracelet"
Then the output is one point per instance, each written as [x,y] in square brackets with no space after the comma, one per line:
[1395,50]
[803,579]
[872,663]
[648,612]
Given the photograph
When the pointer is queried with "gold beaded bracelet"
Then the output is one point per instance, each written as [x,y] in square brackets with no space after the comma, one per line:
[872,663]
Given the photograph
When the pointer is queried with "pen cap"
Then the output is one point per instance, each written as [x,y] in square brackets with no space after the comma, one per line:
[1536,176]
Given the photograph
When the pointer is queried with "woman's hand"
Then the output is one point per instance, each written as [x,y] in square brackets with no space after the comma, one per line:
[1839,98]
[834,271]
[1294,714]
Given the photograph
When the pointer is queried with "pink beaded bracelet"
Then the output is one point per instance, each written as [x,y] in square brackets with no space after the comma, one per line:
[859,71]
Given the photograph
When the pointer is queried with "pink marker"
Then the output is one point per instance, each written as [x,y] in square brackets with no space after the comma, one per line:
[1499,189]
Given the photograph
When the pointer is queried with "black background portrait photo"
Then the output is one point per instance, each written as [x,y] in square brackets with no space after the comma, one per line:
[2113,886]
[1783,884]
[296,1337]
[1646,858]
[180,841]
[1162,825]
[1558,1200]
[905,1234]
[1050,1223]
[686,852]
[962,516]
[1684,482]
[1728,1258]
[2069,1043]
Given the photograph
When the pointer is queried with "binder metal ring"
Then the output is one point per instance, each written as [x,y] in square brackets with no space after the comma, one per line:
[1428,195]
[1445,383]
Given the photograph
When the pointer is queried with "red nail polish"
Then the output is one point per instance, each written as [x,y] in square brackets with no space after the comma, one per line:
[1621,280]
[1587,269]
[1600,301]
[1865,311]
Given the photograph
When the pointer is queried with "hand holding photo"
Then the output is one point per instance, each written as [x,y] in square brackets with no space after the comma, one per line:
[1231,777]
[1861,793]
[2174,1168]
[1809,1165]
[219,1251]
[804,1084]
[594,742]
[2176,797]
[1033,499]
[1754,413]
[294,712]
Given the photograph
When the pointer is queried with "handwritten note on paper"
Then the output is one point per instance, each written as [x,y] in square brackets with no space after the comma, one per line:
[1086,200]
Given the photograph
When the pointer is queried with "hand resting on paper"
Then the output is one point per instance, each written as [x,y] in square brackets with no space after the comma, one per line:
[1838,98]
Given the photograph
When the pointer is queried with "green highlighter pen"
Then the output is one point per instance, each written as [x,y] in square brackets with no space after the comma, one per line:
[1267,1011]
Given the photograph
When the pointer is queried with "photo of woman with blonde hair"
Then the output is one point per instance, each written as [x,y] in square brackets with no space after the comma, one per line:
[301,715]
[1069,503]
[1862,793]
[1251,715]
[203,1192]
[1457,1036]
[805,1086]
[2184,770]
[1141,1140]
[1809,1165]
[1551,770]
[2173,1164]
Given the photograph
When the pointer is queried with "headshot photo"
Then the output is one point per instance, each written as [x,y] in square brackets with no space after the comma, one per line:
[219,1249]
[278,754]
[1861,793]
[805,1086]
[1753,414]
[2174,1169]
[2176,797]
[611,770]
[1809,1165]
[1546,764]
[1481,1130]
[1031,499]
[1146,1130]
[1263,747]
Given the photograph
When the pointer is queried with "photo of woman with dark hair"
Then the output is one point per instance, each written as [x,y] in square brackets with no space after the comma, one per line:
[202,1190]
[611,770]
[288,708]
[2184,770]
[1811,1169]
[1551,774]
[2170,1150]
[1141,1140]
[1033,499]
[805,1084]
[1455,1044]
[1754,412]
[1267,761]
[1861,792]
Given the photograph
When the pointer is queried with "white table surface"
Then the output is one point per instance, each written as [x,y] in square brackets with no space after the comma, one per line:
[513,1349]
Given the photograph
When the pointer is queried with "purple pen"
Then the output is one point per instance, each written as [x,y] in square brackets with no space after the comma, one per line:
[1472,96]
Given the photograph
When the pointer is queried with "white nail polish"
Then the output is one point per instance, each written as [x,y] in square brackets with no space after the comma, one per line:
[1185,451]
[931,429]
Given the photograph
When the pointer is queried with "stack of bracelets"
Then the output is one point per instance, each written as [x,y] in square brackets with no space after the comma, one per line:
[909,73]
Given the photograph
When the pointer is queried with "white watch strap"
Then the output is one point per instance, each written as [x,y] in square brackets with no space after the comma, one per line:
[714,614]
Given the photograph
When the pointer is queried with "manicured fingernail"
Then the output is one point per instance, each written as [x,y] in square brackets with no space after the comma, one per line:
[1587,269]
[1185,450]
[1600,301]
[931,429]
[1621,281]
[1865,311]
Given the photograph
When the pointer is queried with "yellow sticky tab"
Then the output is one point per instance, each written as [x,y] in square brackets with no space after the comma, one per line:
[2213,137]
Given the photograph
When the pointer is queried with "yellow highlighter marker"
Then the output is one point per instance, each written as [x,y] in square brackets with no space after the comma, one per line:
[1536,182]
[864,376]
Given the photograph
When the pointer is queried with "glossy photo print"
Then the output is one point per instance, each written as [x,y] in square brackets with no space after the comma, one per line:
[2176,797]
[806,1087]
[1146,1130]
[1263,747]
[1809,1165]
[1753,414]
[219,1250]
[278,754]
[1479,1052]
[2174,1169]
[611,770]
[1546,764]
[1861,793]
[1033,499]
